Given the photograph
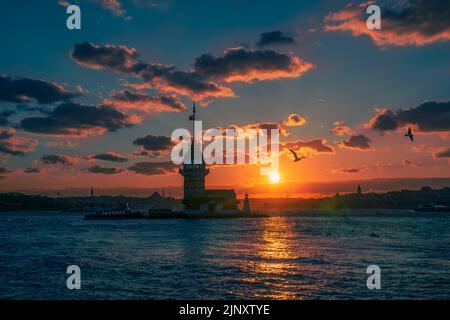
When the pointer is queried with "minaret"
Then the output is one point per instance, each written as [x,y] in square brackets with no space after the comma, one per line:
[246,207]
[194,174]
[92,191]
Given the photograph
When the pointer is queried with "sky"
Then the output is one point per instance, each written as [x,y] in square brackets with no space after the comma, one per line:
[96,106]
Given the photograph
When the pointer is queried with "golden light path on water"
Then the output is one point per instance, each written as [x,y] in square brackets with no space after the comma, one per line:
[277,265]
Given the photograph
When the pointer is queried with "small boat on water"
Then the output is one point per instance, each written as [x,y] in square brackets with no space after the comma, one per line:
[430,207]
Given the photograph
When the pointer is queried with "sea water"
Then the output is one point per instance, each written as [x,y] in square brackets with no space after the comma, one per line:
[309,255]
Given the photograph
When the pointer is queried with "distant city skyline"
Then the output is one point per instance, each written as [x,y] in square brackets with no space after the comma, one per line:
[95,107]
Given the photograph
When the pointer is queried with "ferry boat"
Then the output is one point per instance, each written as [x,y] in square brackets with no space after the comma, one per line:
[430,207]
[123,211]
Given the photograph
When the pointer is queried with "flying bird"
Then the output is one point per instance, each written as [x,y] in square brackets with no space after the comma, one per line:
[296,157]
[410,135]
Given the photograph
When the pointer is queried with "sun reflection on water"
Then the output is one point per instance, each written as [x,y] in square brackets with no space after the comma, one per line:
[277,265]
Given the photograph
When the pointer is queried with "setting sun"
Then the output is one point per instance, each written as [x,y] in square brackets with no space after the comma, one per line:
[274,177]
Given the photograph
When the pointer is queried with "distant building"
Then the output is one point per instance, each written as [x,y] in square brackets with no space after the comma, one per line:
[359,190]
[156,201]
[246,207]
[196,197]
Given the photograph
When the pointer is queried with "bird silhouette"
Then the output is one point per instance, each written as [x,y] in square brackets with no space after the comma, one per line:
[296,157]
[410,135]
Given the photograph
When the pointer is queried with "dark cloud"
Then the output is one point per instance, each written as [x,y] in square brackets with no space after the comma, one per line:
[74,119]
[169,79]
[11,144]
[141,153]
[111,57]
[141,101]
[54,159]
[274,38]
[356,142]
[4,115]
[5,170]
[110,156]
[240,64]
[427,117]
[23,90]
[351,170]
[154,143]
[104,170]
[32,170]
[408,22]
[237,64]
[161,77]
[153,168]
[445,153]
[316,146]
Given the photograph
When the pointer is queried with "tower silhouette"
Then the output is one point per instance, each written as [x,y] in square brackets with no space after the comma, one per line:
[193,174]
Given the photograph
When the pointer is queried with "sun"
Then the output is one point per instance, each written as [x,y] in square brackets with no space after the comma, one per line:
[274,177]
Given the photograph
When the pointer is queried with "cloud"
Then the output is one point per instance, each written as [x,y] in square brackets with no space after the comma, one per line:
[295,120]
[409,22]
[153,168]
[274,38]
[5,170]
[24,90]
[114,6]
[109,57]
[104,170]
[247,65]
[427,117]
[54,159]
[154,143]
[443,153]
[79,120]
[63,3]
[351,170]
[164,78]
[32,170]
[356,142]
[10,144]
[340,129]
[4,117]
[141,101]
[409,163]
[110,156]
[316,146]
[199,82]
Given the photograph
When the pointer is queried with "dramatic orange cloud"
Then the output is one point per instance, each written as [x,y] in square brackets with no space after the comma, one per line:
[295,120]
[413,22]
[245,65]
[140,101]
[340,129]
[10,144]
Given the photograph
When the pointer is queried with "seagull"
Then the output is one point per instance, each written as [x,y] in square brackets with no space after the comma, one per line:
[410,135]
[297,158]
